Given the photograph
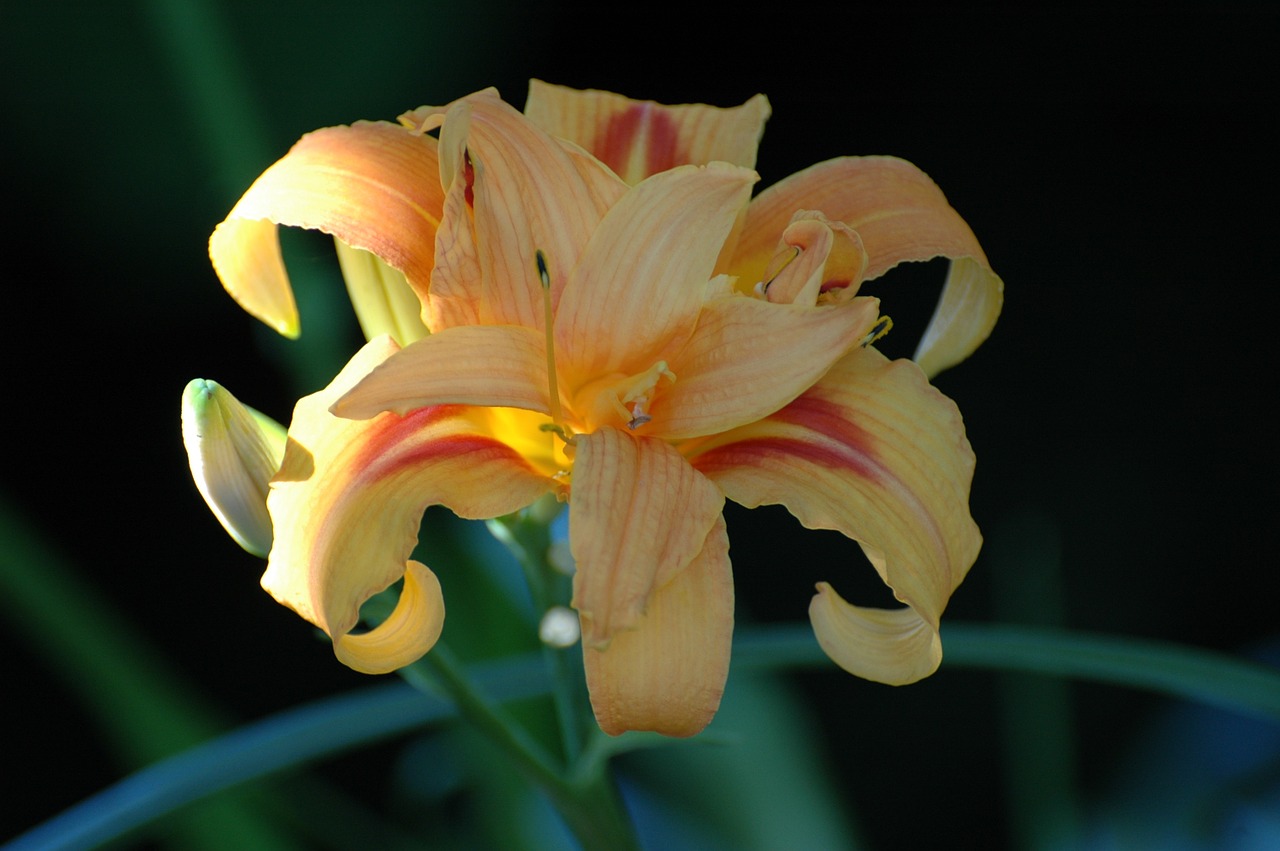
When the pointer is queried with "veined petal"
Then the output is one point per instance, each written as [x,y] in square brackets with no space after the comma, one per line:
[639,138]
[901,215]
[492,365]
[747,358]
[641,281]
[383,300]
[875,452]
[348,500]
[373,185]
[233,451]
[528,192]
[668,674]
[457,285]
[638,515]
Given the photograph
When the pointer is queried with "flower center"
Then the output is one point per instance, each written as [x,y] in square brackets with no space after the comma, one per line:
[620,398]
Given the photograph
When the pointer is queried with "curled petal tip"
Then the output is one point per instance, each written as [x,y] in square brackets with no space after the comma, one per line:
[233,451]
[891,646]
[412,629]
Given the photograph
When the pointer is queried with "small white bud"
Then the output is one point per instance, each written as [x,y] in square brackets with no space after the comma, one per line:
[559,627]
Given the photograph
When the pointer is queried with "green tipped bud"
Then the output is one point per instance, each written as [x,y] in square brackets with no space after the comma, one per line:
[383,300]
[234,451]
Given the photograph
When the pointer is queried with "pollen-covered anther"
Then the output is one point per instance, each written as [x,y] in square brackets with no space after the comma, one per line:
[882,326]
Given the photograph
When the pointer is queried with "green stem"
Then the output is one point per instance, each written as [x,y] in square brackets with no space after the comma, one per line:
[527,536]
[440,671]
[589,802]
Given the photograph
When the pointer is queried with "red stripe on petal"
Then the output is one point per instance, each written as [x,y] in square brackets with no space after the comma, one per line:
[829,419]
[758,452]
[393,446]
[616,144]
[836,443]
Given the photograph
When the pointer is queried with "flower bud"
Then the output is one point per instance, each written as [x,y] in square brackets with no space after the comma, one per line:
[234,451]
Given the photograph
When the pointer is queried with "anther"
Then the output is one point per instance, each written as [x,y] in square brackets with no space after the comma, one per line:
[638,416]
[882,326]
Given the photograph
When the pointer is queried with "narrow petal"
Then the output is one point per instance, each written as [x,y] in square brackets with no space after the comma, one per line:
[383,300]
[640,282]
[668,674]
[373,185]
[528,192]
[872,451]
[639,138]
[901,215]
[894,646]
[748,358]
[233,451]
[348,500]
[457,285]
[492,365]
[638,515]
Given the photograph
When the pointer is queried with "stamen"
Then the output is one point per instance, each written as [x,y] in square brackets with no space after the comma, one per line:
[557,416]
[882,326]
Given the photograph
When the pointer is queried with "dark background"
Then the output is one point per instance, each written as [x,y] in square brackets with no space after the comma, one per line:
[1118,167]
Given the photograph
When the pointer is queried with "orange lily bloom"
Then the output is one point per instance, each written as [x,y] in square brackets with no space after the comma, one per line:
[597,286]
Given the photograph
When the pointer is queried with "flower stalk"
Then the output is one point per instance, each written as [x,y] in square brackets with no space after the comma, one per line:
[587,800]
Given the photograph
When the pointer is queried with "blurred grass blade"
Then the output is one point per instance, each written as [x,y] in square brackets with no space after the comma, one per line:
[144,711]
[1207,676]
[1024,557]
[285,740]
[316,731]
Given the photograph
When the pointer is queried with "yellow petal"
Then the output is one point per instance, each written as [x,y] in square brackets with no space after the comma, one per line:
[527,192]
[638,515]
[411,629]
[492,365]
[872,451]
[638,287]
[901,215]
[373,185]
[639,138]
[893,646]
[233,451]
[748,358]
[347,503]
[383,300]
[668,673]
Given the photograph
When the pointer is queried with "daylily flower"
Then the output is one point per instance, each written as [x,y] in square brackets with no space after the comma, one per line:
[611,321]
